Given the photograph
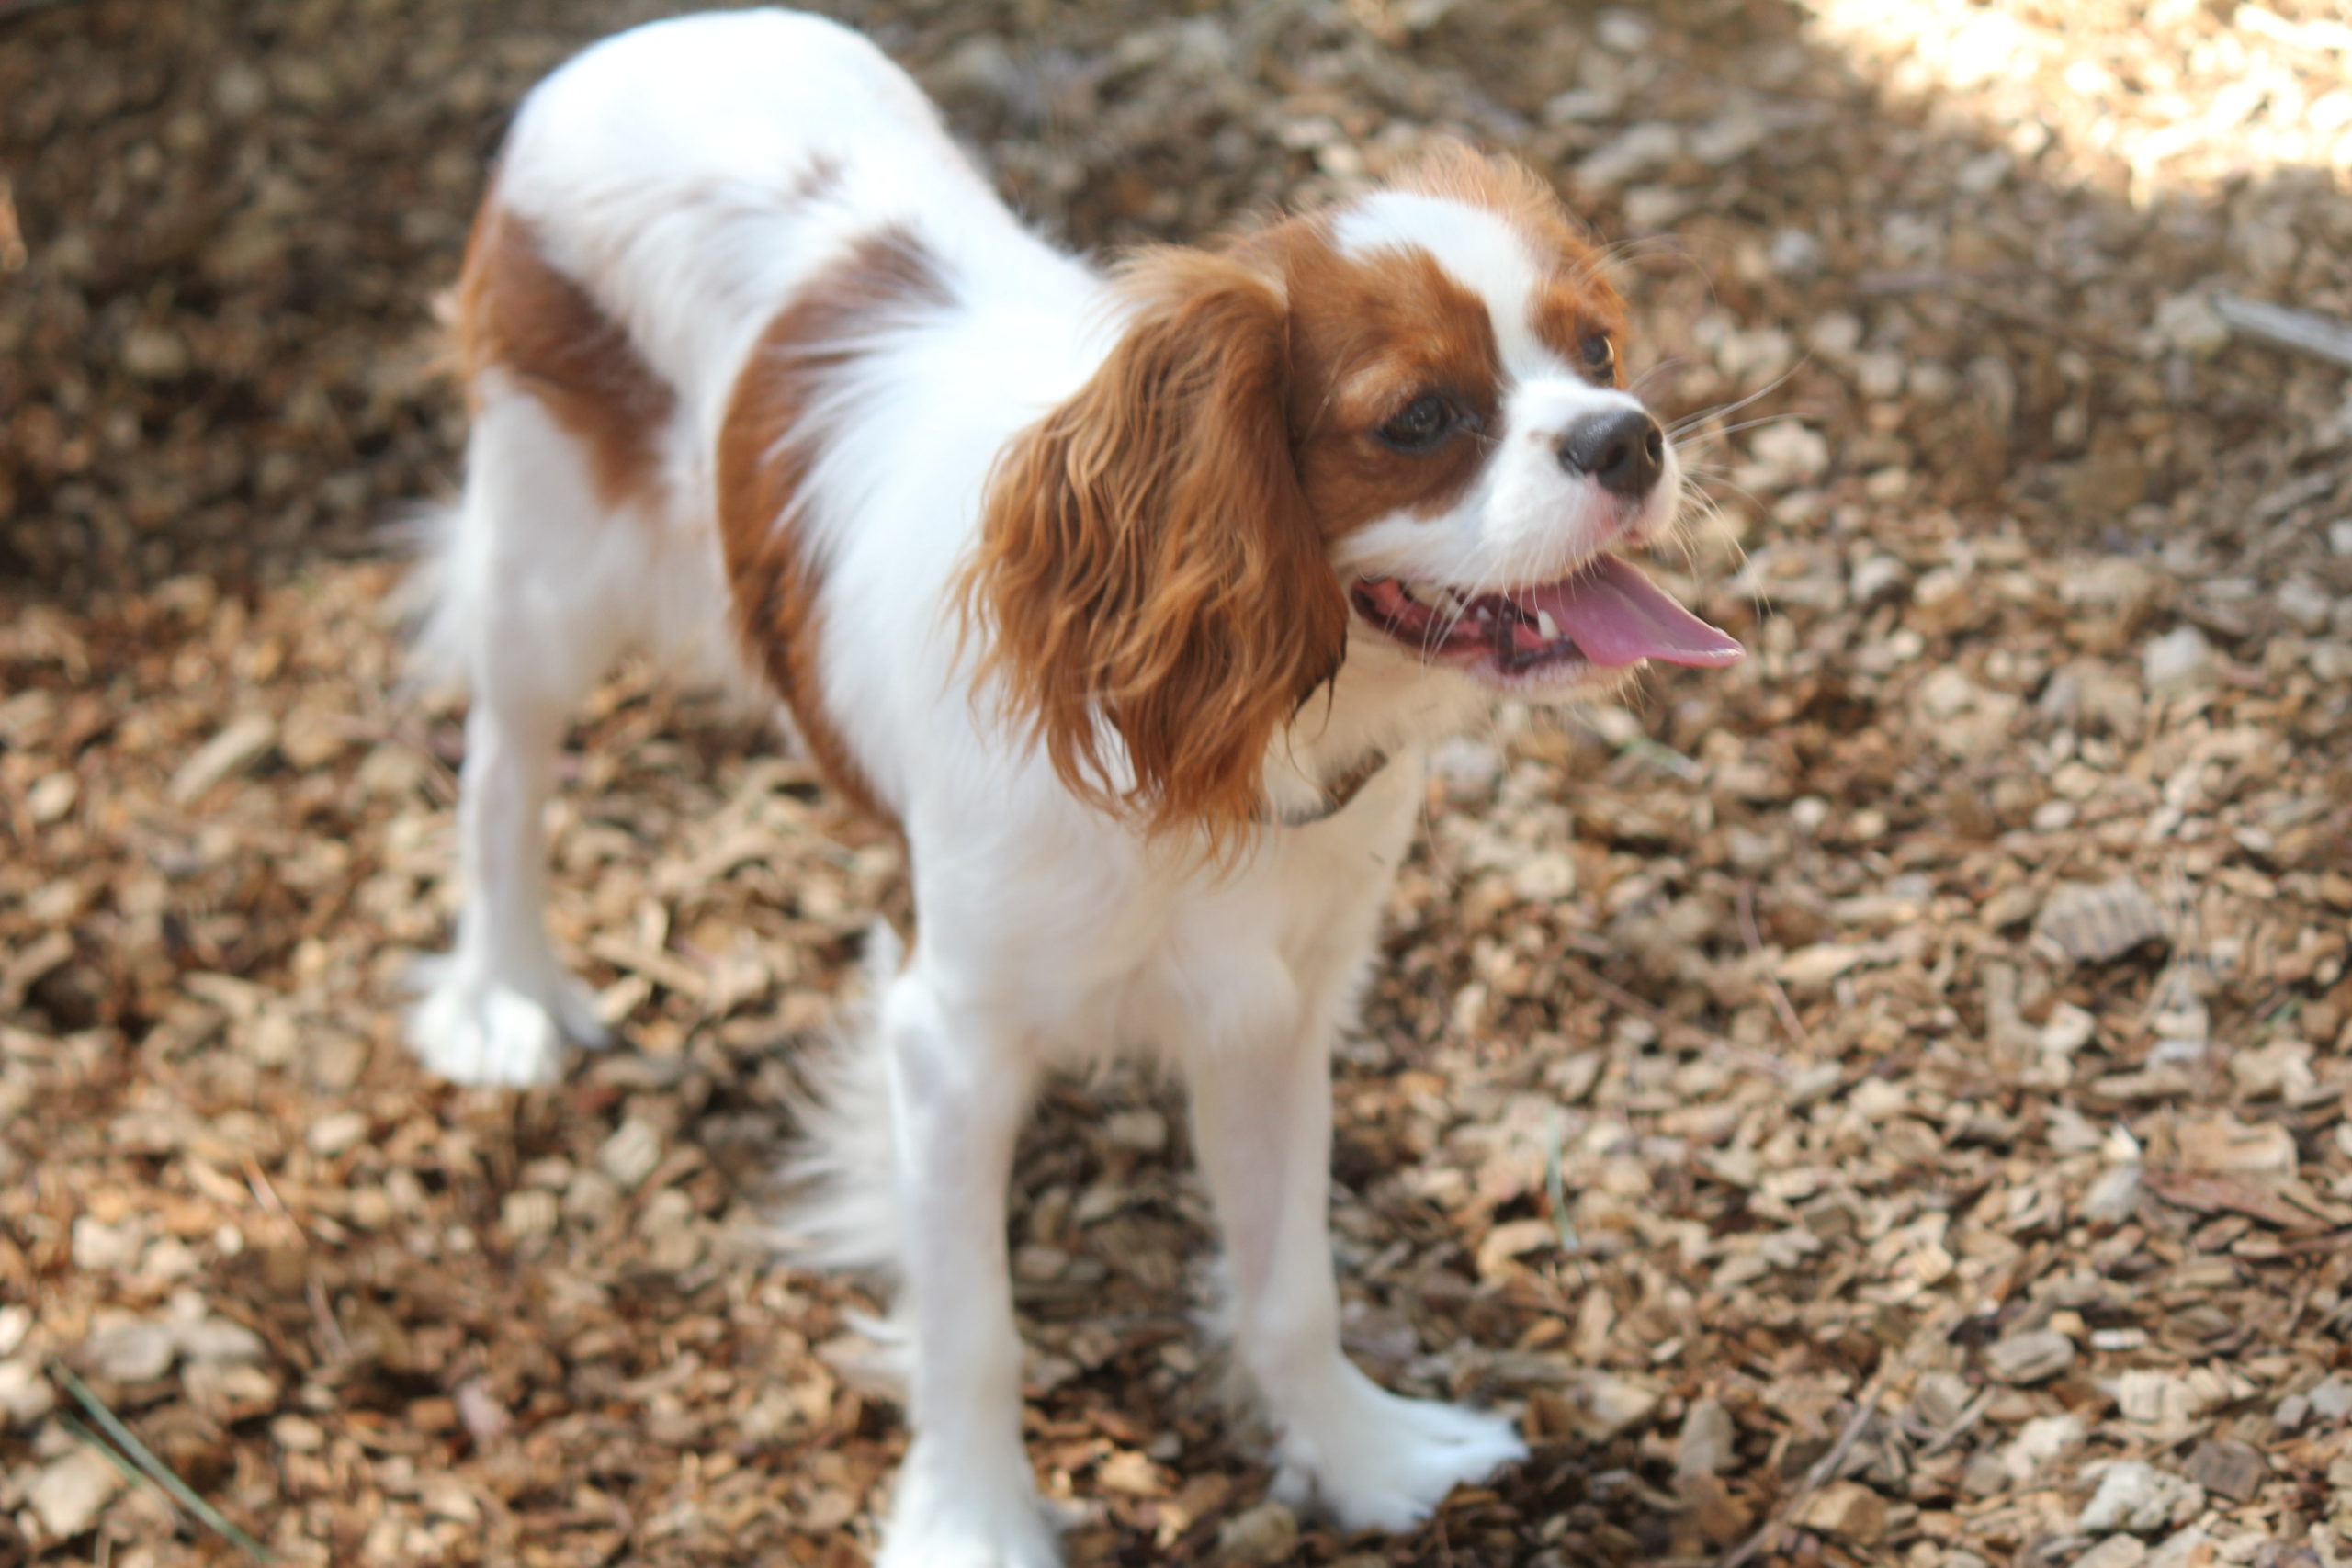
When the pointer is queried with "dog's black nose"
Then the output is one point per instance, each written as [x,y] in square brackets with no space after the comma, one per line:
[1623,450]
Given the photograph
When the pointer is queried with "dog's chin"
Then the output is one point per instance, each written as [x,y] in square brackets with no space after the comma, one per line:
[1564,683]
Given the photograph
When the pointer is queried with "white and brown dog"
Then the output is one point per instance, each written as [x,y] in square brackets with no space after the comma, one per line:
[1130,598]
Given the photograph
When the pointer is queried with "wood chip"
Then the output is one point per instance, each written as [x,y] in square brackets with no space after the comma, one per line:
[1706,1444]
[67,1494]
[2030,1357]
[2223,1146]
[2115,1552]
[1846,1509]
[236,748]
[1264,1535]
[2096,924]
[2228,1469]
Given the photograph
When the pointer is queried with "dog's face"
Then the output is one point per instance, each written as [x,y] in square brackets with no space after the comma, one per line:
[1464,438]
[1395,428]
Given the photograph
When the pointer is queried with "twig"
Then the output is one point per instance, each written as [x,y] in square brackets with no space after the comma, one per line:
[330,1338]
[1755,1061]
[2304,332]
[157,1471]
[1970,1413]
[441,777]
[131,1472]
[1824,1467]
[258,1181]
[1555,1190]
[1662,757]
[1755,940]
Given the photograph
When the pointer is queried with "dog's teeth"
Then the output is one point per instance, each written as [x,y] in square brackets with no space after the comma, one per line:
[1450,601]
[1547,625]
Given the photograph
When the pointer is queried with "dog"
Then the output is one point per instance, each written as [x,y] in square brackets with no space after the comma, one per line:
[1131,598]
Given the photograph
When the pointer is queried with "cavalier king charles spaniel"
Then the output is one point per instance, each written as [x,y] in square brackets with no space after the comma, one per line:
[1131,598]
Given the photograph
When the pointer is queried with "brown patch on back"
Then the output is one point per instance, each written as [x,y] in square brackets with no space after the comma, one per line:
[517,314]
[768,446]
[1574,300]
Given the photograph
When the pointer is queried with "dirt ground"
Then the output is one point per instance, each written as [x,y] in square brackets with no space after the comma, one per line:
[1885,1104]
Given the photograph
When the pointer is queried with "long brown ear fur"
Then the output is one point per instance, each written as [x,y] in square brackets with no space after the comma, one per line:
[1149,561]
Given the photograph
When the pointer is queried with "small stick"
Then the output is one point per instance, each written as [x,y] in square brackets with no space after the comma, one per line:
[157,1471]
[115,1456]
[2304,332]
[330,1338]
[1756,1061]
[1823,1470]
[1555,1191]
[1755,940]
[257,1182]
[1972,1412]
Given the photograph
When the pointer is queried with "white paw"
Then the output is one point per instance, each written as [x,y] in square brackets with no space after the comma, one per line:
[477,1028]
[1374,1460]
[963,1512]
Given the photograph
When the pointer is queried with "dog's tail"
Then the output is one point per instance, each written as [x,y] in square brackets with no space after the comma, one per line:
[433,613]
[840,1210]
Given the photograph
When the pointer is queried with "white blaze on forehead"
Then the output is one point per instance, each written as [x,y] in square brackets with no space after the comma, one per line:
[1482,251]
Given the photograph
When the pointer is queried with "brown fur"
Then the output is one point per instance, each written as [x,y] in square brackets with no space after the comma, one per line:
[1576,302]
[1368,336]
[766,449]
[517,314]
[1148,556]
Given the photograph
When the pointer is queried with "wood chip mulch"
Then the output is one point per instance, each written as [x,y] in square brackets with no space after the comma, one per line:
[1884,1104]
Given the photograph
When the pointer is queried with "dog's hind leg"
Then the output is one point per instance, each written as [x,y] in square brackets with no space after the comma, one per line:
[534,583]
[959,1091]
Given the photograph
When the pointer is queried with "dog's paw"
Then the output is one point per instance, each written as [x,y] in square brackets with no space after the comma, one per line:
[1374,1460]
[963,1512]
[473,1027]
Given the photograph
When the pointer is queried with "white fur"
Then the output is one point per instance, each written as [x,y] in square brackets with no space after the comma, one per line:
[1478,248]
[659,171]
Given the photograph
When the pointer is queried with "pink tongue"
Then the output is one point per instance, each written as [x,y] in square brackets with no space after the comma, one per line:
[1619,618]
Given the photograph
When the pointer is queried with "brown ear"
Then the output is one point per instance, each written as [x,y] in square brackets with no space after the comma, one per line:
[1148,561]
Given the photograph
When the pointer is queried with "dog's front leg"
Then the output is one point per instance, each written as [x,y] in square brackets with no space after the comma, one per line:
[1262,1120]
[965,1497]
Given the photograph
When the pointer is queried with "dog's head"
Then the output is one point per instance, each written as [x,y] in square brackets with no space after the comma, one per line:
[1399,423]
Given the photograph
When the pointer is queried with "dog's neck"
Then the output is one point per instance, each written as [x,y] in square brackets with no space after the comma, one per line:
[1378,711]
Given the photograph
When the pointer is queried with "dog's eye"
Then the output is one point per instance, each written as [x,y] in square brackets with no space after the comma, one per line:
[1600,357]
[1425,421]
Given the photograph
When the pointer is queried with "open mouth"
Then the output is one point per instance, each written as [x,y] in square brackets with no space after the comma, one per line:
[1604,615]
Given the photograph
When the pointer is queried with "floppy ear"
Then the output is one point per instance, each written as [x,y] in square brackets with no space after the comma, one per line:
[1148,564]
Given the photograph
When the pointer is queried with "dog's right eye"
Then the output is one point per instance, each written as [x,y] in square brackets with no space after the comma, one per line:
[1425,421]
